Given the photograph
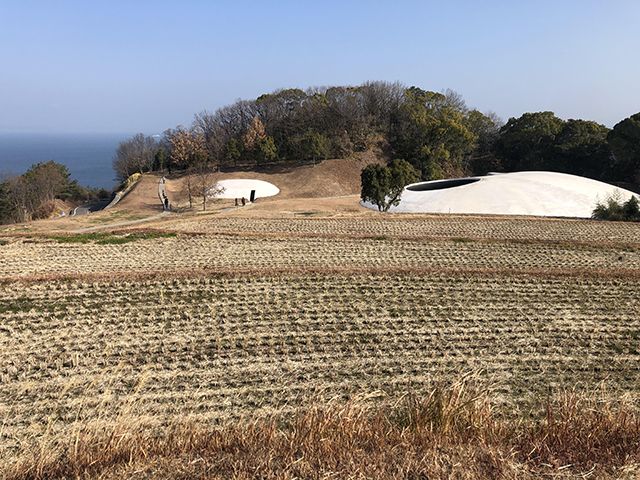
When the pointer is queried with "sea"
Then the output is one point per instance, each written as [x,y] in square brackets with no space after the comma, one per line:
[88,157]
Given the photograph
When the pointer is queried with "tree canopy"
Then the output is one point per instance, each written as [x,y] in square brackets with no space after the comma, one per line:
[525,143]
[31,195]
[435,132]
[382,185]
[624,141]
[135,155]
[431,130]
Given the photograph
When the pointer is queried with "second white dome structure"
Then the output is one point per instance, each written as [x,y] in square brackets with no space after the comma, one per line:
[547,194]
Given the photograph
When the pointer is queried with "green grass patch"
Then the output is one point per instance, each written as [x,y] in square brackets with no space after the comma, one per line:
[107,238]
[81,238]
[132,237]
[18,305]
[311,213]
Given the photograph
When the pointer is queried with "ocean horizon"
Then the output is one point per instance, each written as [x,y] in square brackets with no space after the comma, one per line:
[88,156]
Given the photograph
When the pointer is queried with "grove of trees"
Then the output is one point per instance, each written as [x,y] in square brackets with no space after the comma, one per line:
[136,155]
[31,195]
[433,131]
[618,209]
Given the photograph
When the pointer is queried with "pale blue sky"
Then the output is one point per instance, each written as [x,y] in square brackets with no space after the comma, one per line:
[128,66]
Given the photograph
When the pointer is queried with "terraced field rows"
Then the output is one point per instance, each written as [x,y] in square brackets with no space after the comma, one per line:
[222,347]
[185,253]
[405,226]
[253,316]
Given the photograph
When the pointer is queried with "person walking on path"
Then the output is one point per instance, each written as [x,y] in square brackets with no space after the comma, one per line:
[162,194]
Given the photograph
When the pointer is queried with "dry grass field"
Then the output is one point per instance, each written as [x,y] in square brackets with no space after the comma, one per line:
[420,227]
[255,253]
[209,322]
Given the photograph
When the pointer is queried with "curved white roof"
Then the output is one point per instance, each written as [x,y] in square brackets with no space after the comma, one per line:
[520,193]
[238,188]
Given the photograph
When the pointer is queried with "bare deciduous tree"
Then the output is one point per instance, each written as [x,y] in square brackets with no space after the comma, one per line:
[187,147]
[254,134]
[188,188]
[203,182]
[135,155]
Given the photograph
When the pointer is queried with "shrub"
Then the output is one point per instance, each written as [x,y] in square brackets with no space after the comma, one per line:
[613,208]
[45,210]
[631,209]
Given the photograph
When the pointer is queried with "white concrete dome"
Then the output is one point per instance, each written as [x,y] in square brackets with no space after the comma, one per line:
[548,194]
[238,188]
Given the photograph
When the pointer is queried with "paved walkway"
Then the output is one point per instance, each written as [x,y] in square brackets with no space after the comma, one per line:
[80,211]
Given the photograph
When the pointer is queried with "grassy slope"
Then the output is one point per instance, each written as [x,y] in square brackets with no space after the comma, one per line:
[449,433]
[329,178]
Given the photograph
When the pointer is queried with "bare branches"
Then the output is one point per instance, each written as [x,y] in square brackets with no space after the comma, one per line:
[187,147]
[135,155]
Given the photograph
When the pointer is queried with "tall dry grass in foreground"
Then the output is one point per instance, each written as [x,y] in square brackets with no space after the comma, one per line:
[451,433]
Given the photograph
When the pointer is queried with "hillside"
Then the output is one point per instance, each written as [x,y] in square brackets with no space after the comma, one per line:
[328,178]
[330,185]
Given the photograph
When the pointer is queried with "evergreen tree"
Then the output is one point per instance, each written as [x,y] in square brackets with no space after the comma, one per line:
[383,185]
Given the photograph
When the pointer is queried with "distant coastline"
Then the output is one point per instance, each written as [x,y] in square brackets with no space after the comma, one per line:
[88,156]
